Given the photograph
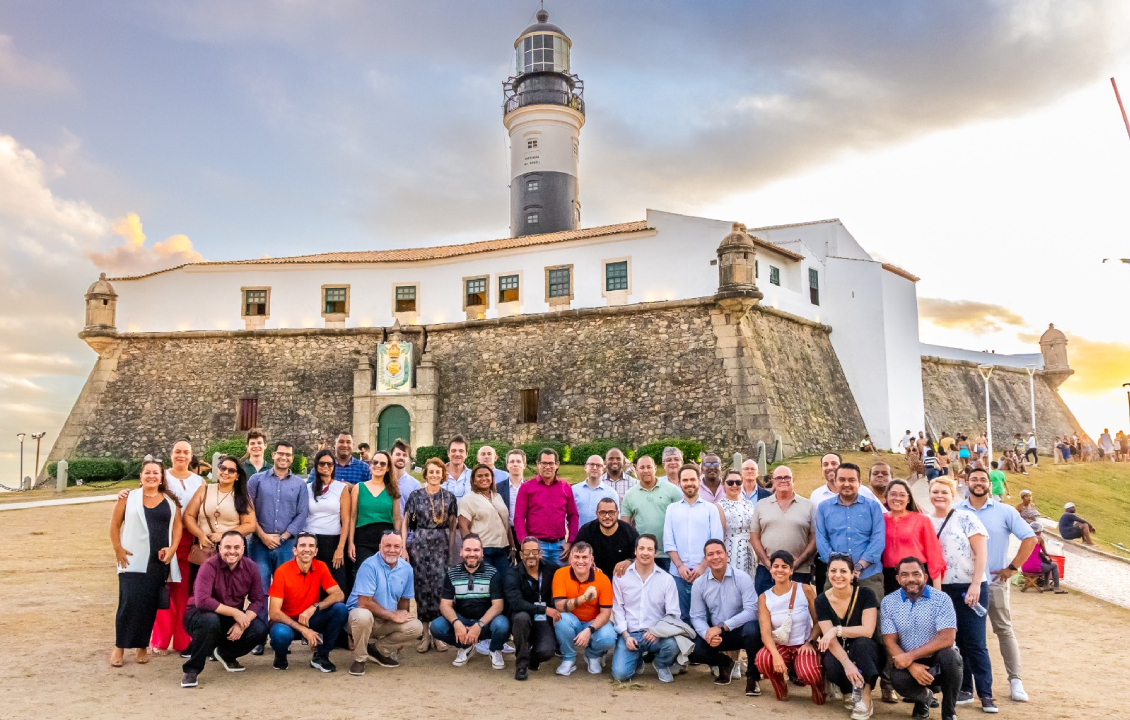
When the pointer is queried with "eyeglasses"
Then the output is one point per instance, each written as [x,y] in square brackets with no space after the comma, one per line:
[733,483]
[712,464]
[783,478]
[594,464]
[532,553]
[605,512]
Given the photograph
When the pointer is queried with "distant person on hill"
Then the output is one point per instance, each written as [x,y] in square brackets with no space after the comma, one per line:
[1040,562]
[1027,508]
[999,482]
[1064,450]
[1106,445]
[907,441]
[1073,527]
[865,445]
[930,463]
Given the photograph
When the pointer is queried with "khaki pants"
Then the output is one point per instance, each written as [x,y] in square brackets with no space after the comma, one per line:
[387,635]
[1000,617]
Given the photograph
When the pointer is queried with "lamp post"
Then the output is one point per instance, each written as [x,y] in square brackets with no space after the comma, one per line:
[1127,386]
[21,438]
[986,371]
[1032,392]
[37,437]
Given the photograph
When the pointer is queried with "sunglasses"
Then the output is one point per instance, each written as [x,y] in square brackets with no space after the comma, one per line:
[325,463]
[733,483]
[228,469]
[379,463]
[711,464]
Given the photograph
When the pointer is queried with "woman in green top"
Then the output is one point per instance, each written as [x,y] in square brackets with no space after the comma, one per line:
[376,510]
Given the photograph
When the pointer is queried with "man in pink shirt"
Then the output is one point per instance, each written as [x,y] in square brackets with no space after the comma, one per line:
[545,509]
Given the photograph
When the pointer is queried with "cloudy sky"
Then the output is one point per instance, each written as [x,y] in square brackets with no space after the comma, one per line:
[977,144]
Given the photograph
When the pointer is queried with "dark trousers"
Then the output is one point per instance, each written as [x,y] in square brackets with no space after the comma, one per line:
[819,573]
[329,622]
[1032,455]
[534,640]
[327,546]
[499,559]
[971,641]
[209,632]
[864,652]
[762,580]
[946,666]
[664,564]
[747,637]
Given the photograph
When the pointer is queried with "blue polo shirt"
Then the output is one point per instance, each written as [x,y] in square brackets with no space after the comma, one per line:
[858,529]
[356,471]
[917,622]
[1000,521]
[386,585]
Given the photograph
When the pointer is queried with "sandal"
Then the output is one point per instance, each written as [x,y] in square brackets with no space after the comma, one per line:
[141,657]
[116,658]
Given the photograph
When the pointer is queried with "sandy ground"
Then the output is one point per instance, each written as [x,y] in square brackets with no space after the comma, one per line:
[58,590]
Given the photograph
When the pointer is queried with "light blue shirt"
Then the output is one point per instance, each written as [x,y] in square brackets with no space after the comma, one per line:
[687,527]
[1000,521]
[386,585]
[858,529]
[407,485]
[731,602]
[587,498]
[917,622]
[461,485]
[280,505]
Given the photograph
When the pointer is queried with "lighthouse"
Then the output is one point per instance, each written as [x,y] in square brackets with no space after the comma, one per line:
[543,111]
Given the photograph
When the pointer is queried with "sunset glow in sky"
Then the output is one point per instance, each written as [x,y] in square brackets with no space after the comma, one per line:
[976,144]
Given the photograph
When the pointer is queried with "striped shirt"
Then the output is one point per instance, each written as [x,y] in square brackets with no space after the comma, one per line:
[472,592]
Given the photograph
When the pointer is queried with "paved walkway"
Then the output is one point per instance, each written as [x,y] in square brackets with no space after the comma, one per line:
[61,501]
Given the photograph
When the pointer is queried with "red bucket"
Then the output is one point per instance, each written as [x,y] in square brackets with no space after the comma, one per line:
[1059,561]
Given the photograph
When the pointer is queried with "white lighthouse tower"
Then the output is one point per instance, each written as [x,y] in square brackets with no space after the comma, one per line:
[543,111]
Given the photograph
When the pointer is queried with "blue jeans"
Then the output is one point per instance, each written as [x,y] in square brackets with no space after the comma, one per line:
[625,661]
[551,552]
[977,668]
[329,622]
[567,628]
[269,560]
[684,589]
[496,632]
[499,558]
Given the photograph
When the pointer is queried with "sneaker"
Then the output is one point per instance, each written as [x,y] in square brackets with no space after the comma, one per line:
[989,705]
[862,711]
[736,673]
[380,658]
[281,662]
[229,665]
[521,673]
[678,668]
[189,680]
[482,647]
[496,660]
[462,655]
[258,649]
[595,666]
[357,668]
[1018,694]
[664,673]
[322,662]
[752,687]
[724,672]
[567,667]
[965,698]
[507,649]
[639,667]
[186,655]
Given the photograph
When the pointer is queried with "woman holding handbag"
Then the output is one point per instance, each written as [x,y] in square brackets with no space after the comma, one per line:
[215,509]
[145,530]
[789,630]
[848,615]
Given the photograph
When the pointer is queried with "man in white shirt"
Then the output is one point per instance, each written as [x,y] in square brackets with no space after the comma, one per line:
[828,465]
[515,467]
[641,598]
[1030,454]
[458,474]
[687,526]
[906,442]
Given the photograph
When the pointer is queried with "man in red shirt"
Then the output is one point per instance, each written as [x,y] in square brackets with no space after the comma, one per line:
[546,509]
[296,606]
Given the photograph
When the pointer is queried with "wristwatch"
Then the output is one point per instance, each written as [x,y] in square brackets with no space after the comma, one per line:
[1013,568]
[479,623]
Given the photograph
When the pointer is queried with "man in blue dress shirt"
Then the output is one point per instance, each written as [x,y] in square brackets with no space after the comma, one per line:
[854,525]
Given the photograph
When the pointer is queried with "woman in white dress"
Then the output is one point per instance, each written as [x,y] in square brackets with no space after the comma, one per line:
[739,519]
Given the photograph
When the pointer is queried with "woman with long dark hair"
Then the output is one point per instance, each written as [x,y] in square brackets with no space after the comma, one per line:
[219,507]
[375,510]
[331,507]
[145,530]
[848,615]
[909,534]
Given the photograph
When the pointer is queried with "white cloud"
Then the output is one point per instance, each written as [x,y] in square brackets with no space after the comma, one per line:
[132,257]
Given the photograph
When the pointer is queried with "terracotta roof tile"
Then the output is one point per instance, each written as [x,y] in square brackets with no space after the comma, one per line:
[900,272]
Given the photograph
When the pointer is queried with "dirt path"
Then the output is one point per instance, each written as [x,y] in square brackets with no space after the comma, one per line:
[58,590]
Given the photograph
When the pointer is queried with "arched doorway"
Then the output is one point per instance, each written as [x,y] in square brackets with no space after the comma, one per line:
[393,423]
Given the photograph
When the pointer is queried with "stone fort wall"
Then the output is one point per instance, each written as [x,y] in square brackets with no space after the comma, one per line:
[637,373]
[954,396]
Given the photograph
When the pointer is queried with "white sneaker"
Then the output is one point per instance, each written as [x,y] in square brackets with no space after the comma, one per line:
[860,711]
[663,673]
[736,673]
[595,666]
[462,655]
[482,647]
[567,667]
[496,660]
[507,649]
[1018,693]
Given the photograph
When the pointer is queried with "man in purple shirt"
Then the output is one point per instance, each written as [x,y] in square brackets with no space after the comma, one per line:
[215,617]
[545,509]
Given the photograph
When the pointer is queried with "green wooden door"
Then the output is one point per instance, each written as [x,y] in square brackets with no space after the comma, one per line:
[393,423]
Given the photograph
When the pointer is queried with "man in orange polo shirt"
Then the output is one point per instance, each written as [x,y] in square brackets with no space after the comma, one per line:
[583,596]
[296,606]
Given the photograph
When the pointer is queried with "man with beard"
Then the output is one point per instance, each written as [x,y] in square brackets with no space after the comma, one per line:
[471,605]
[615,473]
[828,465]
[404,480]
[645,505]
[687,526]
[919,627]
[613,541]
[1001,521]
[529,592]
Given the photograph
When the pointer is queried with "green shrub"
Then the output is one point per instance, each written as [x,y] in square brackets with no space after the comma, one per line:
[427,452]
[298,467]
[96,469]
[692,449]
[581,451]
[52,469]
[500,449]
[534,447]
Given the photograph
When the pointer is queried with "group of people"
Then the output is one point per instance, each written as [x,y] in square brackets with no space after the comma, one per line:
[679,563]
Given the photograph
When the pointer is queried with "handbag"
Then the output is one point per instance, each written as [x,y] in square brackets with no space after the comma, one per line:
[781,634]
[197,554]
[944,523]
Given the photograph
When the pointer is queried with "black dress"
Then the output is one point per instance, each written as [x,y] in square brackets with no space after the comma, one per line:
[865,652]
[138,592]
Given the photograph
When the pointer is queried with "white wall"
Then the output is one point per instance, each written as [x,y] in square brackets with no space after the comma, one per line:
[904,355]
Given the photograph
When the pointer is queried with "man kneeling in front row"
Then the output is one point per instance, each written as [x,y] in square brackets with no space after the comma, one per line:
[724,615]
[215,617]
[919,626]
[643,599]
[470,607]
[296,606]
[378,607]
